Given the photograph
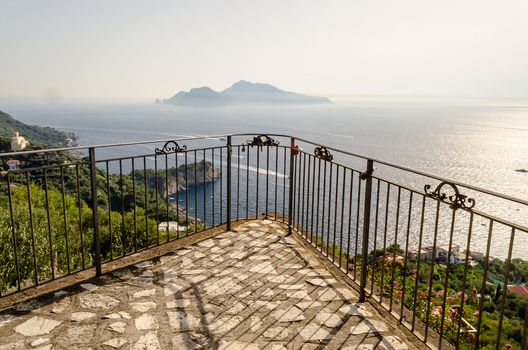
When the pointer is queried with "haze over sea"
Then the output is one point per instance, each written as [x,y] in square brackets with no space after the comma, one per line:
[476,142]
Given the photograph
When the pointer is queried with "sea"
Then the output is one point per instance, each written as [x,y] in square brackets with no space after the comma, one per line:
[480,142]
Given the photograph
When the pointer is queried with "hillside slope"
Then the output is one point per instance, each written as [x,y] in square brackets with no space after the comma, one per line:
[38,136]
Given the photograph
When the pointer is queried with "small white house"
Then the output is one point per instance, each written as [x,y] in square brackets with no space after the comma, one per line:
[13,164]
[441,254]
[173,226]
[18,143]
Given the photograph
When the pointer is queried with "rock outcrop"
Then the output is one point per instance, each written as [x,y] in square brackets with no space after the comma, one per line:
[191,175]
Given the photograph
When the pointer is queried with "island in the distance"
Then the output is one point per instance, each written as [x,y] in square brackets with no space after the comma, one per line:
[242,92]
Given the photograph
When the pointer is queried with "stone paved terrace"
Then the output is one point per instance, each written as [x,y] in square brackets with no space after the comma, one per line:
[252,288]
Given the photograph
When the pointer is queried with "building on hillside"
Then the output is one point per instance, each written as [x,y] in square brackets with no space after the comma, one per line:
[441,254]
[173,226]
[18,143]
[13,164]
[521,291]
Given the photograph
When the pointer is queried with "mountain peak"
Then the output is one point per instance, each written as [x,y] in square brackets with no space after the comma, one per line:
[242,92]
[244,85]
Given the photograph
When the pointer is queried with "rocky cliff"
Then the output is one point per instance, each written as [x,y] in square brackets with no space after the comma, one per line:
[187,176]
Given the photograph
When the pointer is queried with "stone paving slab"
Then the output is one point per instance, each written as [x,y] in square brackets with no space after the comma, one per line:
[252,288]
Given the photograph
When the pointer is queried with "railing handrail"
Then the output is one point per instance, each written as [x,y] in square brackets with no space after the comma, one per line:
[107,145]
[218,136]
[422,173]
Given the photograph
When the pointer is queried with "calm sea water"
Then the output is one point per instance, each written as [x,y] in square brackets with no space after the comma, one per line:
[480,144]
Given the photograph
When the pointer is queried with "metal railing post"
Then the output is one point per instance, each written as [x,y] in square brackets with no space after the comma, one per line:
[290,195]
[95,210]
[229,153]
[524,344]
[367,175]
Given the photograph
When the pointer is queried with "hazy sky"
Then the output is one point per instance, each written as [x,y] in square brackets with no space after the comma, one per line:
[148,49]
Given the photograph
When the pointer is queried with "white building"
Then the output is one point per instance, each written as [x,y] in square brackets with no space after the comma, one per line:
[173,226]
[13,164]
[441,254]
[18,143]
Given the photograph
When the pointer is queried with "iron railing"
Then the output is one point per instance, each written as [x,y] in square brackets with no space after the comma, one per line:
[442,262]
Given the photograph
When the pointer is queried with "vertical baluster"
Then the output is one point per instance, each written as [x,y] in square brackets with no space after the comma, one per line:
[276,178]
[446,284]
[290,197]
[336,201]
[247,183]
[48,217]
[65,219]
[146,200]
[123,234]
[177,177]
[221,186]
[79,206]
[323,211]
[187,224]
[284,186]
[366,228]
[238,184]
[213,187]
[195,194]
[406,253]
[303,193]
[431,271]
[524,344]
[257,184]
[228,188]
[375,234]
[308,209]
[157,196]
[167,203]
[13,230]
[507,263]
[329,209]
[134,202]
[110,231]
[358,208]
[422,216]
[294,207]
[312,231]
[484,280]
[32,228]
[95,206]
[396,230]
[350,204]
[204,192]
[342,217]
[464,281]
[385,226]
[297,188]
[267,181]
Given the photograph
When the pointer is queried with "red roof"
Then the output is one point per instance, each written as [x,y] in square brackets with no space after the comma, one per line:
[13,161]
[519,290]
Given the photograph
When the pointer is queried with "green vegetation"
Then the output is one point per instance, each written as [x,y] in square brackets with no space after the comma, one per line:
[55,236]
[408,283]
[39,137]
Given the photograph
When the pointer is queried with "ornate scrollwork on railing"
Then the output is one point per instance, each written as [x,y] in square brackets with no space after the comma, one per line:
[260,141]
[457,200]
[171,147]
[322,153]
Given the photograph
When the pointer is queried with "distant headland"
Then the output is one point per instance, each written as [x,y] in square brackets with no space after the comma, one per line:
[242,92]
